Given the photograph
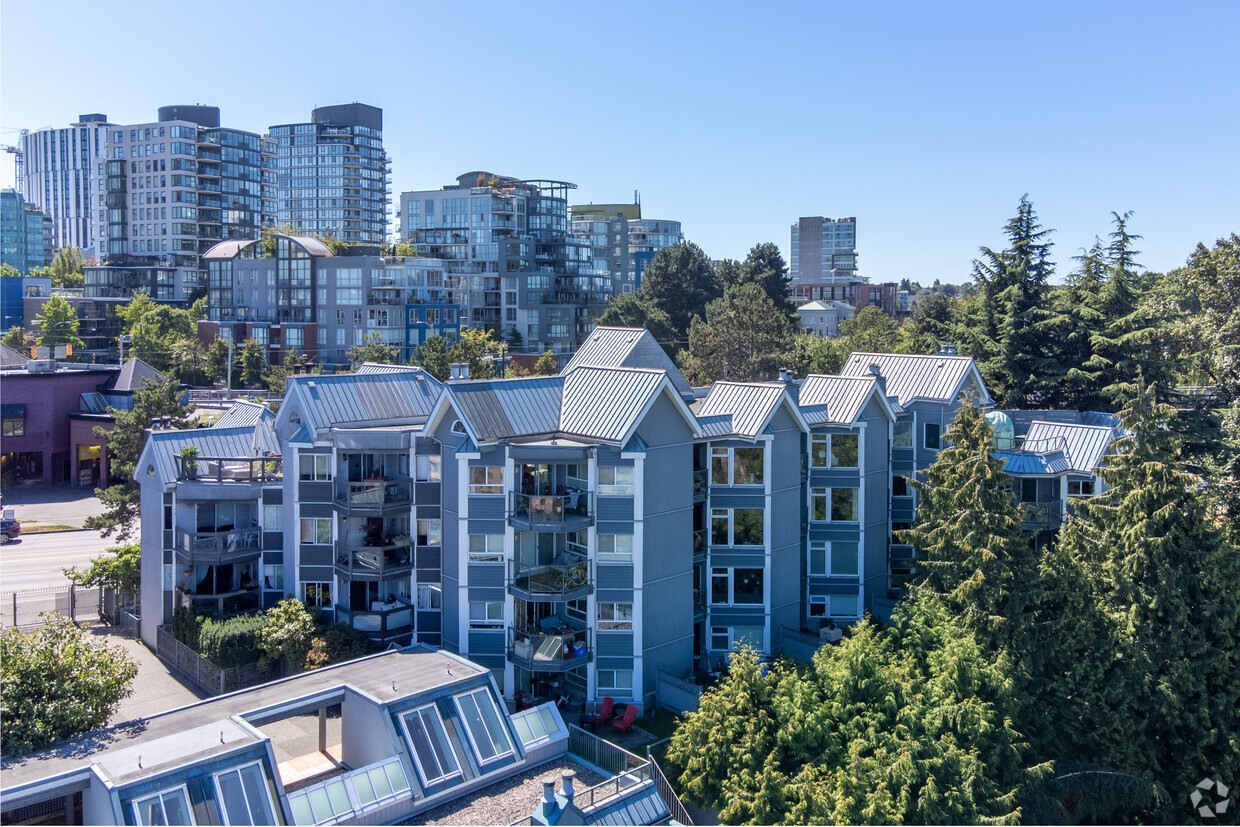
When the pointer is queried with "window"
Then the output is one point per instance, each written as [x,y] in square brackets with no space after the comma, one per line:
[536,726]
[486,615]
[843,504]
[273,517]
[736,466]
[273,577]
[243,796]
[615,481]
[430,596]
[14,420]
[487,479]
[932,440]
[736,587]
[1080,488]
[724,638]
[317,594]
[486,548]
[899,486]
[833,558]
[833,451]
[619,681]
[615,617]
[428,467]
[432,754]
[484,726]
[902,435]
[314,467]
[577,609]
[322,803]
[615,548]
[833,605]
[430,532]
[736,526]
[167,807]
[720,638]
[316,530]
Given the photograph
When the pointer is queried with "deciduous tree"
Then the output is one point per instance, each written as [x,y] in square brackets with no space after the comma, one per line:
[287,633]
[58,325]
[547,365]
[119,568]
[432,356]
[253,363]
[374,350]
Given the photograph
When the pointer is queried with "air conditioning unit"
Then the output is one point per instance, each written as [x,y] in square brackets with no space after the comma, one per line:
[40,365]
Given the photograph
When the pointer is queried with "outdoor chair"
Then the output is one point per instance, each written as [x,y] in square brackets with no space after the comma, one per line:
[624,723]
[604,713]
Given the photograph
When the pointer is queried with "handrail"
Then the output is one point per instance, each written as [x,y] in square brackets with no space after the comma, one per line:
[551,509]
[229,469]
[569,575]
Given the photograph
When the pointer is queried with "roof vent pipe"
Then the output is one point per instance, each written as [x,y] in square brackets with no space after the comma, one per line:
[566,784]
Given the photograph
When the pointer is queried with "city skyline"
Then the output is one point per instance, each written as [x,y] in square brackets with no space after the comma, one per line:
[926,124]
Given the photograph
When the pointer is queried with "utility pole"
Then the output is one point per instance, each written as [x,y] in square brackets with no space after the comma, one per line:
[122,339]
[228,385]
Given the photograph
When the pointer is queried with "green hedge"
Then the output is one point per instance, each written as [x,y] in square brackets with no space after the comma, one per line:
[231,642]
[186,627]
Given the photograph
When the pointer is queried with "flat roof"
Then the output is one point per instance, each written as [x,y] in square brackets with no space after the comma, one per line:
[198,731]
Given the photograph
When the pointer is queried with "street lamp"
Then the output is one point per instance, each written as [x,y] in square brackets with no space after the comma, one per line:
[124,337]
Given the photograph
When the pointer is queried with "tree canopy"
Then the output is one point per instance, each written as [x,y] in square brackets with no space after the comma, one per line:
[58,325]
[373,350]
[679,281]
[744,337]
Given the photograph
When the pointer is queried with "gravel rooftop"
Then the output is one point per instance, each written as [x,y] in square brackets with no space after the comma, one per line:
[505,801]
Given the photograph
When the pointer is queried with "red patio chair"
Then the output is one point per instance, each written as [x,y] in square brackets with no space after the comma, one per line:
[625,723]
[603,714]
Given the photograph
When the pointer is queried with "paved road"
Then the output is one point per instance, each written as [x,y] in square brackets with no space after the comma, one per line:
[35,561]
[62,505]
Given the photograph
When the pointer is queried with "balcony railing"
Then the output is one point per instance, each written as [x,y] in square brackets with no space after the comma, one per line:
[373,495]
[1036,516]
[550,653]
[216,548]
[556,512]
[382,621]
[373,562]
[699,482]
[229,469]
[221,605]
[564,579]
[699,542]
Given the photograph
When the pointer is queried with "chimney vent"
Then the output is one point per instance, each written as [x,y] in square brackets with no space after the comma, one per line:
[549,791]
[459,370]
[566,784]
[875,370]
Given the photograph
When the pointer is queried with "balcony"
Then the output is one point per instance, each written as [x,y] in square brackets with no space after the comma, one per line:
[374,496]
[374,562]
[382,623]
[565,578]
[220,605]
[217,548]
[550,653]
[700,543]
[700,477]
[1041,516]
[555,512]
[229,469]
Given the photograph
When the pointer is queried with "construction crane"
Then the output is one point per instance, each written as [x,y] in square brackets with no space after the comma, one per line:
[16,152]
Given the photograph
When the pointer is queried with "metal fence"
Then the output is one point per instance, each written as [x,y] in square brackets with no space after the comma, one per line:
[204,674]
[24,609]
[676,694]
[626,770]
[679,814]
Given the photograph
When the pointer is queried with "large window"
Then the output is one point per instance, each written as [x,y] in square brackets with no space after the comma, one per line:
[316,530]
[736,587]
[615,548]
[834,504]
[833,558]
[484,726]
[932,440]
[432,754]
[1080,488]
[243,797]
[428,467]
[736,527]
[317,594]
[486,548]
[616,681]
[486,614]
[834,605]
[902,435]
[167,807]
[430,532]
[833,451]
[615,481]
[725,638]
[487,479]
[736,466]
[14,420]
[615,617]
[315,467]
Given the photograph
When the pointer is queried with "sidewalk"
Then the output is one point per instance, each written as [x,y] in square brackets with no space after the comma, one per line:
[155,690]
[63,505]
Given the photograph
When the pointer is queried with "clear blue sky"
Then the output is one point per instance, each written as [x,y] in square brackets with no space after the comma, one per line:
[926,121]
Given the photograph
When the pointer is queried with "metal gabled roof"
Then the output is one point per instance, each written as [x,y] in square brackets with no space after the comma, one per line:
[911,377]
[367,368]
[715,427]
[244,414]
[1084,445]
[1025,463]
[162,446]
[835,400]
[377,398]
[626,347]
[643,805]
[748,405]
[604,403]
[10,358]
[131,376]
[506,408]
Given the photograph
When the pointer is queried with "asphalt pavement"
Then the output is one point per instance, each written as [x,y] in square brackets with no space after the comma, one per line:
[35,561]
[62,505]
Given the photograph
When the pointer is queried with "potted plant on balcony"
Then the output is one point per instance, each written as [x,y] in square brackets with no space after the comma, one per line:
[189,457]
[402,540]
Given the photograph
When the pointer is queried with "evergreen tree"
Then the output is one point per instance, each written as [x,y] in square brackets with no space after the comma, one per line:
[744,338]
[634,310]
[680,281]
[1075,319]
[253,363]
[475,347]
[432,356]
[765,267]
[1210,289]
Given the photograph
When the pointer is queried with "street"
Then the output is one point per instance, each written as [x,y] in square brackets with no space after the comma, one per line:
[35,561]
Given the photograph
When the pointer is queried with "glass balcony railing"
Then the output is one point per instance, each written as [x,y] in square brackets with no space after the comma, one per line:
[218,547]
[550,652]
[565,578]
[373,495]
[373,562]
[221,605]
[229,469]
[555,512]
[1041,516]
[383,621]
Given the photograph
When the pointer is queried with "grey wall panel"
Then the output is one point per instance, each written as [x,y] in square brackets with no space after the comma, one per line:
[613,576]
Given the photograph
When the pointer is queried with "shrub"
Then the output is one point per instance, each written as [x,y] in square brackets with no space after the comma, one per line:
[187,627]
[286,634]
[232,642]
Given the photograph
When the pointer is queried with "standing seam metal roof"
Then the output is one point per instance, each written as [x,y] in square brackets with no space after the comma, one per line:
[407,396]
[626,347]
[243,415]
[912,376]
[603,402]
[1085,445]
[163,446]
[748,404]
[506,408]
[835,400]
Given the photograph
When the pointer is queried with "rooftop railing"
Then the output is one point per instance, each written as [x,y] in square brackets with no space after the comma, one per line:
[229,469]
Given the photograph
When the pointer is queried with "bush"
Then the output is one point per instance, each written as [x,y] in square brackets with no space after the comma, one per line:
[286,634]
[232,642]
[187,627]
[337,643]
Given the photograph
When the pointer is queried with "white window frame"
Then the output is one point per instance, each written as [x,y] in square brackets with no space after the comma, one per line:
[731,517]
[1093,487]
[319,585]
[615,548]
[159,794]
[612,480]
[616,623]
[731,632]
[730,573]
[613,686]
[492,480]
[825,492]
[315,532]
[429,467]
[487,620]
[827,547]
[443,743]
[219,792]
[490,550]
[426,592]
[831,451]
[469,732]
[320,467]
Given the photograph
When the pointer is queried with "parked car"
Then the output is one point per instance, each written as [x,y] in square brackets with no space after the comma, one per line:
[9,530]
